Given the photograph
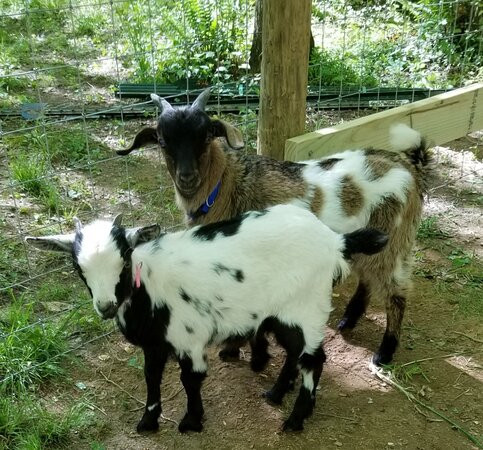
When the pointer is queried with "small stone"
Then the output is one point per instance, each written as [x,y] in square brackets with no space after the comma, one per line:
[104,357]
[80,385]
[390,444]
[338,443]
[370,401]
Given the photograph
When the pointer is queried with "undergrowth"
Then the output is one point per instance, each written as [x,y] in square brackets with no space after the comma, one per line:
[38,331]
[27,424]
[457,275]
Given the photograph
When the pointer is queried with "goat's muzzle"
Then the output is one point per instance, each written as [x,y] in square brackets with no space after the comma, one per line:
[188,185]
[108,311]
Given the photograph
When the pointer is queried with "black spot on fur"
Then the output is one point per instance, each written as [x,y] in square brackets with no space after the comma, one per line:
[219,268]
[189,329]
[220,299]
[327,164]
[184,295]
[239,276]
[224,228]
[254,316]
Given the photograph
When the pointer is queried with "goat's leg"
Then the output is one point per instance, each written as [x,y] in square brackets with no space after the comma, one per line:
[193,372]
[356,308]
[292,340]
[311,368]
[154,362]
[260,355]
[395,306]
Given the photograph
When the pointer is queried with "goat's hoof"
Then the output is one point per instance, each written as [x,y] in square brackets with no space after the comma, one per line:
[229,354]
[259,362]
[190,423]
[147,425]
[273,397]
[292,424]
[380,359]
[346,324]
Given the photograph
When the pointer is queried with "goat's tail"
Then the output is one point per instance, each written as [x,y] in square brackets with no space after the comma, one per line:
[410,142]
[368,241]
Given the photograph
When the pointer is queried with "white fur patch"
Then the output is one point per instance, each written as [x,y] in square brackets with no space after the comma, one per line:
[101,263]
[308,380]
[402,137]
[374,191]
[151,407]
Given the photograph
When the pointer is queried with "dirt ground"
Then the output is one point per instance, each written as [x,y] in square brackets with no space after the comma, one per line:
[354,409]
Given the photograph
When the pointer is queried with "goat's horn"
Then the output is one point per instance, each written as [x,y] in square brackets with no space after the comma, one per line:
[202,100]
[161,103]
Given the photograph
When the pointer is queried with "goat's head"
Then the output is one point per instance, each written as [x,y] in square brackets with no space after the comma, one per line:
[101,252]
[185,134]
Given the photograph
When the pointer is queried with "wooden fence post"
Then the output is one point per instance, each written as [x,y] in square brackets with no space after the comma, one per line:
[285,58]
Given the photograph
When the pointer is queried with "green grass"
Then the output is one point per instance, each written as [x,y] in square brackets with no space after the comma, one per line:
[32,352]
[34,154]
[429,229]
[406,374]
[26,424]
[31,173]
[29,353]
[12,263]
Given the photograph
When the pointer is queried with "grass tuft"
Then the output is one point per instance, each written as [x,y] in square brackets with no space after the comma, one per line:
[429,229]
[29,351]
[26,424]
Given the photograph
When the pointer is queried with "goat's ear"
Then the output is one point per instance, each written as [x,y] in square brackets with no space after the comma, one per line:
[161,103]
[232,135]
[77,224]
[117,222]
[146,136]
[202,100]
[55,243]
[136,236]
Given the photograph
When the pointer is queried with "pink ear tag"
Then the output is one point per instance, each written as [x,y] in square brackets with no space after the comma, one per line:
[137,276]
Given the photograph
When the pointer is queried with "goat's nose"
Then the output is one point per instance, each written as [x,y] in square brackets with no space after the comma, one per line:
[108,311]
[187,177]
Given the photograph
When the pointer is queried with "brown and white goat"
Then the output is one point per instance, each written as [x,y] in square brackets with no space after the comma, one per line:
[347,191]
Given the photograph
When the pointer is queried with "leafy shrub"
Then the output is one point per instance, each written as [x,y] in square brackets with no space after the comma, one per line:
[330,68]
[206,41]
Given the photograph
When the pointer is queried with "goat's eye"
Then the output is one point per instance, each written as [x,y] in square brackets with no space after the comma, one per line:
[127,264]
[208,139]
[162,143]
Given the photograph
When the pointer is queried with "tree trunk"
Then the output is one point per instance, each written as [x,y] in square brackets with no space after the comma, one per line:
[256,48]
[283,93]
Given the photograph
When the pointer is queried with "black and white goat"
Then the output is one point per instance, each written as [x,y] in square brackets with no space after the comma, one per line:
[268,271]
[347,191]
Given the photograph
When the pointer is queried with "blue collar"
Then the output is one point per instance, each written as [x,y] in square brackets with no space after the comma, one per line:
[205,207]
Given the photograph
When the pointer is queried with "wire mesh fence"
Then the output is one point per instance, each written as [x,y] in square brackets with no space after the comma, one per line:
[68,73]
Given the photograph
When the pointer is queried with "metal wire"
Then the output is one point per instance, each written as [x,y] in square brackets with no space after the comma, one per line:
[334,32]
